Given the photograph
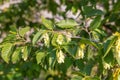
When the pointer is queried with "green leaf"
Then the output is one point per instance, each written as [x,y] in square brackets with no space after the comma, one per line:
[22,31]
[72,49]
[74,9]
[37,36]
[40,56]
[90,78]
[10,38]
[13,29]
[95,36]
[69,23]
[1,46]
[77,78]
[26,51]
[80,64]
[116,7]
[119,77]
[95,23]
[89,11]
[6,52]
[69,62]
[87,41]
[90,53]
[16,55]
[47,23]
[88,67]
[108,44]
[101,32]
[109,58]
[51,58]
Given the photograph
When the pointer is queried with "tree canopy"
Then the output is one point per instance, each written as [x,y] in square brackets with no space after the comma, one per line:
[59,39]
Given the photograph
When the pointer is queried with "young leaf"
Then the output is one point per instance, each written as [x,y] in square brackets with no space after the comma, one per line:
[118,60]
[36,37]
[40,56]
[23,31]
[6,52]
[95,36]
[26,51]
[95,23]
[69,23]
[16,55]
[54,40]
[47,23]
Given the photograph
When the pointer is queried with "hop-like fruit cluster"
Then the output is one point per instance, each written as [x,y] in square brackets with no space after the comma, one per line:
[80,51]
[106,65]
[117,45]
[60,56]
[60,39]
[46,39]
[116,73]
